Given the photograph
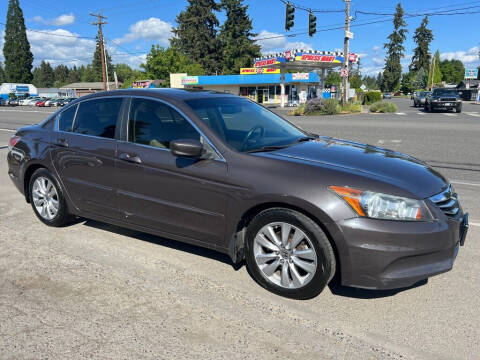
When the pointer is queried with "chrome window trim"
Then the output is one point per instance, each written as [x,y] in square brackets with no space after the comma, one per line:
[219,154]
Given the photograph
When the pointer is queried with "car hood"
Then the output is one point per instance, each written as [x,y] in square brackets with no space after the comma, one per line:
[398,169]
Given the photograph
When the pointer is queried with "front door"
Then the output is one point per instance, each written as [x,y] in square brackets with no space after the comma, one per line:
[84,154]
[159,191]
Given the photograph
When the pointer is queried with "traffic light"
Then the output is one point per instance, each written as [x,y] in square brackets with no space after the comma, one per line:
[289,16]
[312,24]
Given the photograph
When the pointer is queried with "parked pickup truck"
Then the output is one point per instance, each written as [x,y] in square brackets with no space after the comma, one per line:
[443,99]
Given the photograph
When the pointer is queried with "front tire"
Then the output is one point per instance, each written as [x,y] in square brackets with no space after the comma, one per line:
[47,199]
[288,254]
[459,108]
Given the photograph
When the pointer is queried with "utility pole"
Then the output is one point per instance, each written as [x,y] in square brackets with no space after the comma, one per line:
[345,52]
[432,70]
[99,23]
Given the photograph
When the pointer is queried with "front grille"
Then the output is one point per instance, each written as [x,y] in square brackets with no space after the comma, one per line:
[447,201]
[448,99]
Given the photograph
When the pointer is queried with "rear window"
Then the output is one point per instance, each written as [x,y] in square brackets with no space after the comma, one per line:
[65,121]
[98,117]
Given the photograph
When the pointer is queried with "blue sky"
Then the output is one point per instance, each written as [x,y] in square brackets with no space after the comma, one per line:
[133,26]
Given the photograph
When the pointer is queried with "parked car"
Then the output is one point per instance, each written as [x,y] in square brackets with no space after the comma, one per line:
[65,101]
[443,99]
[419,98]
[41,102]
[49,101]
[12,102]
[223,172]
[31,101]
[387,95]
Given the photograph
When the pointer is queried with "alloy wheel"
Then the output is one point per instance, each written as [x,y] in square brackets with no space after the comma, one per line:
[45,198]
[285,255]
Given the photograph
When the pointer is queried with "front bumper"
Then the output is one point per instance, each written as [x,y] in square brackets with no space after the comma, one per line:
[394,254]
[445,104]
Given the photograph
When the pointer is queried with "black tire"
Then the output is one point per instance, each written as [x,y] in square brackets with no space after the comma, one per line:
[425,107]
[459,108]
[320,242]
[63,217]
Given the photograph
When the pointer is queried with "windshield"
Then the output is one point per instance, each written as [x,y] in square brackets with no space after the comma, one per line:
[243,124]
[423,93]
[443,92]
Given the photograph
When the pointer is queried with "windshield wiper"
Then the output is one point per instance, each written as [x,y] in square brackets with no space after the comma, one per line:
[307,138]
[268,148]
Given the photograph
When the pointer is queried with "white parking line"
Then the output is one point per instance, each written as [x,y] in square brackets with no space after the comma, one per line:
[464,183]
[8,130]
[421,113]
[400,113]
[471,114]
[473,224]
[448,114]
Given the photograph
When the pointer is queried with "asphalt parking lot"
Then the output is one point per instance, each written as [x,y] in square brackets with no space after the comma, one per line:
[92,290]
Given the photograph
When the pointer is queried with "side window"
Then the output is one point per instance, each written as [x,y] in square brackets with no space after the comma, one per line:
[65,120]
[156,124]
[98,117]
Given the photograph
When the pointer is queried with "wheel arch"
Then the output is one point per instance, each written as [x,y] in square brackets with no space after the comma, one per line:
[29,170]
[236,248]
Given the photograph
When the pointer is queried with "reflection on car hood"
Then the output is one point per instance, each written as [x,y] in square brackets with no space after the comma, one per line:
[393,167]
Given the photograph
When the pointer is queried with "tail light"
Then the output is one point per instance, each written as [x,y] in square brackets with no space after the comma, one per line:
[13,141]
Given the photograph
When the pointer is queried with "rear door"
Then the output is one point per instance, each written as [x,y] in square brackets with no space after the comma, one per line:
[84,154]
[159,191]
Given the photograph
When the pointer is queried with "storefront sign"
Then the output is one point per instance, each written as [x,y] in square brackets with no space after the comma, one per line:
[317,58]
[254,71]
[300,76]
[471,73]
[190,80]
[140,84]
[266,62]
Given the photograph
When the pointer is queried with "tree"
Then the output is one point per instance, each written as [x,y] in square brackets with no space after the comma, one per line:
[74,75]
[126,75]
[355,80]
[235,37]
[61,73]
[333,78]
[2,74]
[421,55]
[97,63]
[453,71]
[407,82]
[43,76]
[380,81]
[370,82]
[16,48]
[437,72]
[196,34]
[162,62]
[88,74]
[393,68]
[420,80]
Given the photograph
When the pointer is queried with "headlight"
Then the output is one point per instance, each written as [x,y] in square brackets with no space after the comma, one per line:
[383,206]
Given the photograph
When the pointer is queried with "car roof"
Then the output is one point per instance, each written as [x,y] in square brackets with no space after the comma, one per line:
[164,93]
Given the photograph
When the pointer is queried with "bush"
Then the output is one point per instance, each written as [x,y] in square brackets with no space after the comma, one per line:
[360,95]
[372,97]
[298,111]
[331,107]
[383,107]
[314,105]
[352,107]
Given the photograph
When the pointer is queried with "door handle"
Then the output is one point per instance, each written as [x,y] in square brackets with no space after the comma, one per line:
[130,158]
[62,142]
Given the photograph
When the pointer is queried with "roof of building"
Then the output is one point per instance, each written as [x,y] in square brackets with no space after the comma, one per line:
[87,85]
[254,79]
[48,89]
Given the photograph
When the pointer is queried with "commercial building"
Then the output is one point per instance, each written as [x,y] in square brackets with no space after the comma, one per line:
[85,88]
[55,92]
[262,88]
[17,89]
[469,89]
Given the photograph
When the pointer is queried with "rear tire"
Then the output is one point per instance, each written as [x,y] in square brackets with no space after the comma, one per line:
[48,200]
[297,265]
[459,108]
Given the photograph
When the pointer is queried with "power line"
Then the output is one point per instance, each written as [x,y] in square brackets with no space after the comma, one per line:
[299,7]
[55,34]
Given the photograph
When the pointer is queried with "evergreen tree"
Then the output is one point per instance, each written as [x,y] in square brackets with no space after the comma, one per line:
[43,76]
[16,48]
[88,74]
[196,34]
[97,63]
[74,75]
[453,71]
[393,68]
[421,55]
[437,72]
[380,81]
[238,48]
[420,80]
[2,74]
[61,75]
[407,82]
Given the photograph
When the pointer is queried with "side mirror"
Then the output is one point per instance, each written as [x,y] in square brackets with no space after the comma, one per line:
[186,148]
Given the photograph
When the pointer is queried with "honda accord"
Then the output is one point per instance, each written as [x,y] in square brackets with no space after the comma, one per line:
[220,171]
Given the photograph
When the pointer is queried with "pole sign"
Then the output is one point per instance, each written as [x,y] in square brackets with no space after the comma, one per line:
[190,80]
[344,72]
[255,71]
[471,74]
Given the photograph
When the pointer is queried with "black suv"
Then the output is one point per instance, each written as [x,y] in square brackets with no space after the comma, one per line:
[441,98]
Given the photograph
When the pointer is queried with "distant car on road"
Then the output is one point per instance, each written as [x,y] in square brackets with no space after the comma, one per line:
[443,99]
[221,171]
[419,98]
[387,95]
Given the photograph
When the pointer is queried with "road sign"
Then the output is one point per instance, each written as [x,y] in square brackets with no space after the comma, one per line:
[349,34]
[344,72]
[471,73]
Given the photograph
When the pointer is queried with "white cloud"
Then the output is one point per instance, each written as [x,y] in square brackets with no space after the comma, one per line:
[469,57]
[362,55]
[378,60]
[150,29]
[272,42]
[376,48]
[62,20]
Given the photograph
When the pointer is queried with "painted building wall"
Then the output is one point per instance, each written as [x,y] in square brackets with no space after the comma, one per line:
[17,89]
